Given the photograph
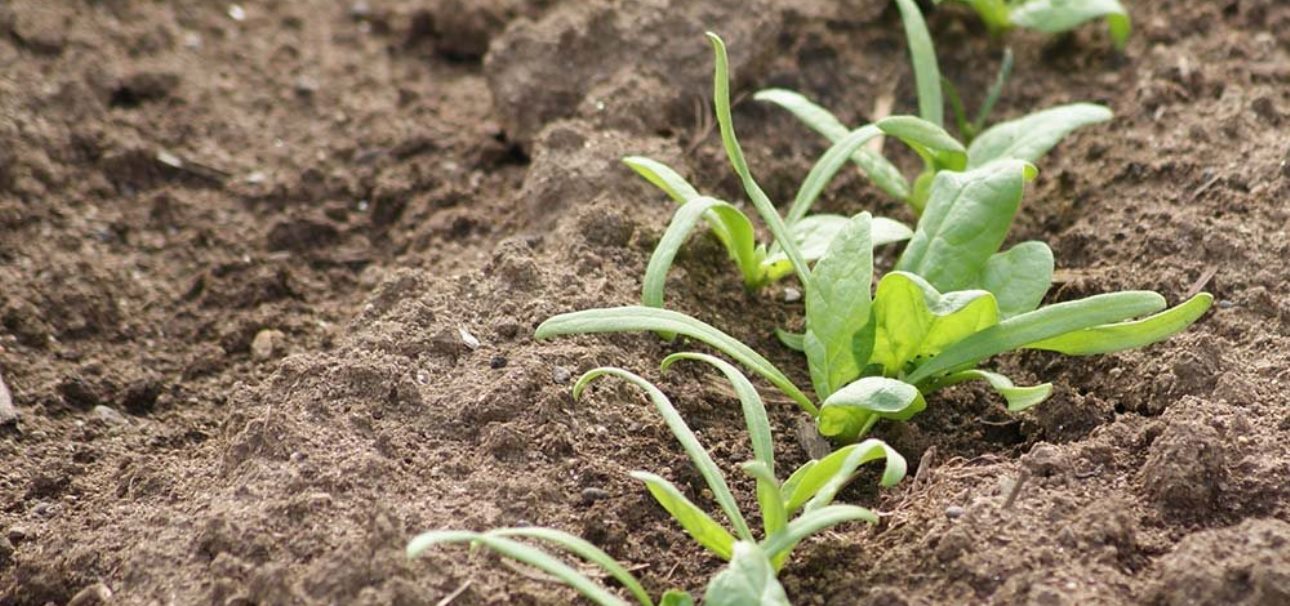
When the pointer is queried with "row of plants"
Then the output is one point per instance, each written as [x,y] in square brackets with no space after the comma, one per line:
[875,348]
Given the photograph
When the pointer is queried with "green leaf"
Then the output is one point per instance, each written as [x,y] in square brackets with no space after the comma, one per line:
[749,580]
[721,102]
[636,318]
[996,89]
[838,306]
[663,177]
[689,442]
[791,340]
[1128,335]
[927,75]
[993,12]
[815,233]
[882,172]
[583,549]
[1019,277]
[1035,326]
[915,321]
[812,522]
[928,139]
[1018,398]
[821,480]
[754,410]
[676,597]
[699,525]
[741,245]
[1030,137]
[1055,16]
[525,554]
[967,217]
[826,168]
[769,498]
[852,411]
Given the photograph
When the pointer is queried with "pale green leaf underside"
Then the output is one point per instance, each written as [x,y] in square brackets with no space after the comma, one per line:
[1018,398]
[1054,16]
[749,580]
[1128,335]
[1030,137]
[848,412]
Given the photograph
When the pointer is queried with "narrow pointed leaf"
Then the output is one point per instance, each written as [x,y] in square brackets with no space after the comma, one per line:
[819,484]
[826,168]
[689,442]
[838,307]
[769,497]
[699,525]
[1128,335]
[741,246]
[927,138]
[749,580]
[791,340]
[583,549]
[663,177]
[927,75]
[639,319]
[1018,398]
[813,522]
[754,410]
[1030,137]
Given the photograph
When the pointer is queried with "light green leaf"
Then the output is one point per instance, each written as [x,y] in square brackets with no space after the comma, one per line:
[882,172]
[525,554]
[915,321]
[754,410]
[1128,335]
[583,549]
[813,522]
[699,525]
[1030,137]
[821,480]
[927,75]
[689,442]
[928,139]
[1033,327]
[826,168]
[838,307]
[1019,277]
[637,318]
[1018,398]
[993,12]
[676,597]
[741,246]
[814,234]
[769,498]
[853,410]
[749,580]
[791,340]
[663,177]
[1054,16]
[967,217]
[721,102]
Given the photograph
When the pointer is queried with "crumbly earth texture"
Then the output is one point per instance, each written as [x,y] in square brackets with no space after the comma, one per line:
[269,276]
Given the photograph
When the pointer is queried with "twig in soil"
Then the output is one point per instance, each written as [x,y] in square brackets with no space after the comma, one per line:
[881,109]
[190,167]
[925,465]
[1203,188]
[1016,489]
[703,122]
[1201,282]
[456,593]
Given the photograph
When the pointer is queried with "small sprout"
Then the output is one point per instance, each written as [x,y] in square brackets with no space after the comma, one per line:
[1052,16]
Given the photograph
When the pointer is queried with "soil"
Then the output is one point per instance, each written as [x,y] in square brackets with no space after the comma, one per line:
[242,248]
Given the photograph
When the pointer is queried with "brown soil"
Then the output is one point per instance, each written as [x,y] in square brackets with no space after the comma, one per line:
[237,257]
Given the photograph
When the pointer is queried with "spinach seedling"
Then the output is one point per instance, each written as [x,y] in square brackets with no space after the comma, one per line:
[1052,16]
[953,301]
[1027,138]
[808,493]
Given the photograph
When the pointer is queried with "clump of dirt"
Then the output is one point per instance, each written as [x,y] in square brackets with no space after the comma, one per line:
[271,278]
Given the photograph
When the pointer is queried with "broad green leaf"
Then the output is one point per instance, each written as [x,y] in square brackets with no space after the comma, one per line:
[749,580]
[927,75]
[1033,327]
[769,498]
[1055,16]
[913,320]
[526,554]
[754,410]
[1030,137]
[813,522]
[663,177]
[676,597]
[742,245]
[967,217]
[838,306]
[790,485]
[721,102]
[637,318]
[699,525]
[993,12]
[583,549]
[928,139]
[826,168]
[1128,335]
[791,340]
[1019,277]
[820,482]
[882,172]
[1018,398]
[814,234]
[853,410]
[689,442]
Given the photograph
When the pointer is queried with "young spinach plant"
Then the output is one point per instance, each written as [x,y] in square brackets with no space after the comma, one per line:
[1027,138]
[1052,16]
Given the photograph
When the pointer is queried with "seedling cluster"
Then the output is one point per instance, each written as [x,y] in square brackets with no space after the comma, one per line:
[875,347]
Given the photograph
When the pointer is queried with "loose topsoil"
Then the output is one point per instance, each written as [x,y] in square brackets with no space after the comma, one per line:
[241,249]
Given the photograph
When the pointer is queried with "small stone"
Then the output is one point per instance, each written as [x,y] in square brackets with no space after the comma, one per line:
[97,593]
[497,362]
[6,550]
[109,415]
[17,534]
[792,295]
[45,510]
[561,375]
[591,495]
[306,86]
[360,9]
[468,338]
[268,344]
[954,512]
[8,413]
